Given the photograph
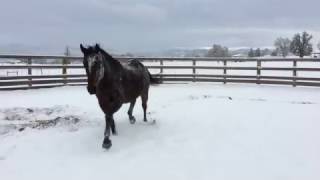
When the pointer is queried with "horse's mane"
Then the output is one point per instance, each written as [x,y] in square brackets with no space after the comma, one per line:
[105,54]
[108,56]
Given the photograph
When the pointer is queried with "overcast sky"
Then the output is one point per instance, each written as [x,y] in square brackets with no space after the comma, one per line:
[151,25]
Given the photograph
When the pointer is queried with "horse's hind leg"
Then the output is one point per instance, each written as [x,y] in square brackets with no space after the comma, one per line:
[131,117]
[144,99]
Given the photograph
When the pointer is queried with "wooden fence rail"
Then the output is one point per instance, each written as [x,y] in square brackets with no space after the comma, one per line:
[30,79]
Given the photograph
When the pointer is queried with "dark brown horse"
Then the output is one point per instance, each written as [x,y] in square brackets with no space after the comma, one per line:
[115,83]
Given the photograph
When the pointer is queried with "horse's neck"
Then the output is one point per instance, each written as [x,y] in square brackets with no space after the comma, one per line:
[108,72]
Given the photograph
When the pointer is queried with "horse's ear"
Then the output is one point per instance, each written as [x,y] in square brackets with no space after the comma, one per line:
[83,49]
[97,47]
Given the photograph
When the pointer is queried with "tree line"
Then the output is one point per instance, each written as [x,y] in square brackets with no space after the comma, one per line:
[300,45]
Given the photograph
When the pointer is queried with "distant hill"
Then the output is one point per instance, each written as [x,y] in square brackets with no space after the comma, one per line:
[180,52]
[75,51]
[197,52]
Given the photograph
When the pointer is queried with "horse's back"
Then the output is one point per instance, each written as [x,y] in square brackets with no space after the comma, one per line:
[135,79]
[135,65]
[135,68]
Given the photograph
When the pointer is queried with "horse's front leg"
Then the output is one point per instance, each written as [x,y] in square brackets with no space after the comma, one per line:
[107,142]
[113,127]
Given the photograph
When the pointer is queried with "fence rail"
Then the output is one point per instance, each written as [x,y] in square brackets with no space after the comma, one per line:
[13,80]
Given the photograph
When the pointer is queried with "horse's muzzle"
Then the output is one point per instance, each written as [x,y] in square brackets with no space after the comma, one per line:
[91,90]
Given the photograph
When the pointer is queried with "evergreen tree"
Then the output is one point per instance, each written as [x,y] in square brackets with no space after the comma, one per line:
[300,44]
[251,53]
[274,53]
[266,52]
[257,53]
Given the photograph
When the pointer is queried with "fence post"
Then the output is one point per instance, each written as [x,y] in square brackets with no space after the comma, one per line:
[294,73]
[64,70]
[258,71]
[161,70]
[224,71]
[65,61]
[194,70]
[29,61]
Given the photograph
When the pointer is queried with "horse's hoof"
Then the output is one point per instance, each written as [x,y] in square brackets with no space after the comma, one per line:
[132,120]
[106,143]
[115,133]
[145,120]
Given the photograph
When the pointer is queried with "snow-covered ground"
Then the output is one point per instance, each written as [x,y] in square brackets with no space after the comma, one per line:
[203,131]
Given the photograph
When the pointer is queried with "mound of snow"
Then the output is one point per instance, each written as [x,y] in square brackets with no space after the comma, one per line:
[20,118]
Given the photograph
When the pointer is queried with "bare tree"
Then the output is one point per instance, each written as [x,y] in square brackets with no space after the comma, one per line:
[301,45]
[283,46]
[66,53]
[218,51]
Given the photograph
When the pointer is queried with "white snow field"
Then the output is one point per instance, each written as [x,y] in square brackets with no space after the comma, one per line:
[202,131]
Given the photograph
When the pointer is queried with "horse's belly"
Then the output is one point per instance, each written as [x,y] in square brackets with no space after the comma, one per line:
[130,98]
[109,104]
[132,90]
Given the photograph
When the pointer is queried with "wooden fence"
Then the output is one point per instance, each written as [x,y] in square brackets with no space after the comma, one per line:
[12,80]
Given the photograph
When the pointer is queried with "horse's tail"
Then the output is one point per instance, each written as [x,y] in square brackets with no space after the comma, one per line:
[153,80]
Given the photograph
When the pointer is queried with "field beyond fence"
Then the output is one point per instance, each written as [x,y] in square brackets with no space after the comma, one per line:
[27,72]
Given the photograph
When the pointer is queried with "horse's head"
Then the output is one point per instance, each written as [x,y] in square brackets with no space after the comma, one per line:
[93,63]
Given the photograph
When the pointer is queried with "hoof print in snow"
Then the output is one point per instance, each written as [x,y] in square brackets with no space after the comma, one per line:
[206,96]
[152,112]
[30,110]
[257,99]
[150,122]
[193,97]
[302,102]
[225,97]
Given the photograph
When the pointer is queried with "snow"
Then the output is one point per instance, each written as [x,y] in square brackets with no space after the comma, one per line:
[203,131]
